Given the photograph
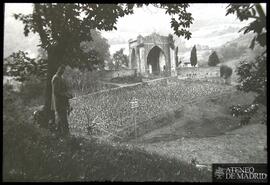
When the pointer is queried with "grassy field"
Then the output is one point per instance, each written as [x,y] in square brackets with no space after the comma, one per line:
[113,162]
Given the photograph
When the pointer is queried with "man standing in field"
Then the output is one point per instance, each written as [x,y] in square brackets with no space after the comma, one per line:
[60,101]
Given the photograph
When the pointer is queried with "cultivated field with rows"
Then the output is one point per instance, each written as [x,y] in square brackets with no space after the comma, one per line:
[112,109]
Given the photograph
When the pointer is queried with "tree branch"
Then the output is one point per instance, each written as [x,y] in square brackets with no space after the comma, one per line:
[42,34]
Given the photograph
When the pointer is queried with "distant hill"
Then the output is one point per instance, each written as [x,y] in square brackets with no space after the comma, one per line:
[231,53]
[237,50]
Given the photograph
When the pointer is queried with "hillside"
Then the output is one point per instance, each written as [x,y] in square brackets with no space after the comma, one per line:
[230,53]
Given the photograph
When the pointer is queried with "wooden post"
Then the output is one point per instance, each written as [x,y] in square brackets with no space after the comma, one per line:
[134,106]
[135,126]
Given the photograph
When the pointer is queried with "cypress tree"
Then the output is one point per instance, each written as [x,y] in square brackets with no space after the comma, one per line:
[193,56]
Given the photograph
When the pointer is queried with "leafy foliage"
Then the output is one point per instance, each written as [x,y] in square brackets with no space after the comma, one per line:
[252,74]
[97,51]
[81,82]
[109,64]
[225,71]
[253,78]
[120,59]
[244,111]
[213,59]
[193,56]
[247,11]
[171,41]
[21,66]
[31,72]
[32,91]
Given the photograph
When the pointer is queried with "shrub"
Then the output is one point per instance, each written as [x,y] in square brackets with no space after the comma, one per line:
[213,59]
[244,111]
[253,78]
[32,91]
[82,82]
[225,71]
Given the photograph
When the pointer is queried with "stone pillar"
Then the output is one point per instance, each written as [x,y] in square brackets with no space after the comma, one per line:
[142,60]
[129,57]
[137,54]
[172,63]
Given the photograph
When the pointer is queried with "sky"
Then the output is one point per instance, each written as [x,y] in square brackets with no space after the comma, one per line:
[210,27]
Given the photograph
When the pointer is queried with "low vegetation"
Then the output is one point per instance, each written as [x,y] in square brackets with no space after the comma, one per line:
[83,82]
[113,108]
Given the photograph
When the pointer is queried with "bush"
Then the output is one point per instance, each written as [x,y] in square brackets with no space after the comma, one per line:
[244,111]
[225,71]
[213,59]
[253,78]
[32,91]
[82,82]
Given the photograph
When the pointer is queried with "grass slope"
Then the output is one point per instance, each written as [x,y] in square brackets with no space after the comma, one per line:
[77,159]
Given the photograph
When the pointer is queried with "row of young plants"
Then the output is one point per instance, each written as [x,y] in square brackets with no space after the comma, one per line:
[113,109]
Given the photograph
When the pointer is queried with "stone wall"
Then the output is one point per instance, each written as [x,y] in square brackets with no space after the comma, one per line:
[198,72]
[109,74]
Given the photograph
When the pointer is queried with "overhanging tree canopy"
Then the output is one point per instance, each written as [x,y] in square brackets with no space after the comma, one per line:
[120,59]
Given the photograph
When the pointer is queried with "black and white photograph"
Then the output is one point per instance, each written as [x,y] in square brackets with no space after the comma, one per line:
[143,92]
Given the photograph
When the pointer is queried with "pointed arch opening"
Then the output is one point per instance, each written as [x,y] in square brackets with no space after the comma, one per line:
[156,61]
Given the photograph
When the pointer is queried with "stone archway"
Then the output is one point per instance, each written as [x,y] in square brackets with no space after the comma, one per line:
[133,59]
[152,54]
[156,61]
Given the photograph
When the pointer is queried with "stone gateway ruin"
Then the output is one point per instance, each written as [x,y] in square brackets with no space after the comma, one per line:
[152,55]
